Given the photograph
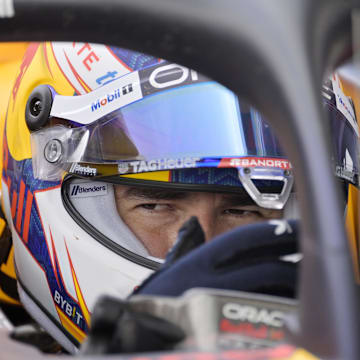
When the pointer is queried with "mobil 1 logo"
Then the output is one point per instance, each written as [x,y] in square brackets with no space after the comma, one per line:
[166,76]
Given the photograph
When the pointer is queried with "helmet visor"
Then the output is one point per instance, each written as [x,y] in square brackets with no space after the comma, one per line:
[187,126]
[202,120]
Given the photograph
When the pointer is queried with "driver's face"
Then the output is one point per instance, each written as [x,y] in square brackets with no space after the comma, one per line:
[156,215]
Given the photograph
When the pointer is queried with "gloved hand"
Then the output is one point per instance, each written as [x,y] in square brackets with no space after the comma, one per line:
[117,328]
[248,258]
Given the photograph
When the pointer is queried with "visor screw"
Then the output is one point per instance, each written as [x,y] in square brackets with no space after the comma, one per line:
[247,171]
[36,107]
[53,151]
[286,173]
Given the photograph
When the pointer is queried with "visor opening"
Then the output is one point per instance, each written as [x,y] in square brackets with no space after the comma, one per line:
[269,186]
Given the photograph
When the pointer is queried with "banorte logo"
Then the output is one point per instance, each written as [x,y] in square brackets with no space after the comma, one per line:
[116,94]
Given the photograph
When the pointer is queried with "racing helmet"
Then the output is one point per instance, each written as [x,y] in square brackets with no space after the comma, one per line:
[341,104]
[10,59]
[84,117]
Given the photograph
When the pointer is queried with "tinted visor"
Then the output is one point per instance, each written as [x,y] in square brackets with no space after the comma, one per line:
[180,127]
[202,120]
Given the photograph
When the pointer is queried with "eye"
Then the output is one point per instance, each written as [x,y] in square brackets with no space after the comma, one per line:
[148,206]
[155,207]
[242,212]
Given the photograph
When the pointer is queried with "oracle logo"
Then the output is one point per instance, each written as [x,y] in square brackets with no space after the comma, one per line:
[253,314]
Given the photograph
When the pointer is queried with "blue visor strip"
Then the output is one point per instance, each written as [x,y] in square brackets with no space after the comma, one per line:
[214,176]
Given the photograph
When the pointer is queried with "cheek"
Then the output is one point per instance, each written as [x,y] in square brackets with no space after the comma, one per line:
[227,224]
[224,226]
[156,236]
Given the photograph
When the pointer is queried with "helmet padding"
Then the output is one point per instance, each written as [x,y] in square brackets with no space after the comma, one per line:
[101,212]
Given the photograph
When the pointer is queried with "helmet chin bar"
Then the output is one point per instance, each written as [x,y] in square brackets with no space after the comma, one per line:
[267,200]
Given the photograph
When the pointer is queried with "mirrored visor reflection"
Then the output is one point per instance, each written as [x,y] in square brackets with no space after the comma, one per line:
[199,120]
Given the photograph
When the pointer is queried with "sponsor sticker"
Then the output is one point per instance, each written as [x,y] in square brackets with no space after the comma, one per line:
[92,106]
[343,104]
[88,189]
[255,162]
[123,168]
[88,66]
[140,166]
[256,326]
[67,308]
[254,315]
[167,76]
[346,174]
[83,170]
[113,95]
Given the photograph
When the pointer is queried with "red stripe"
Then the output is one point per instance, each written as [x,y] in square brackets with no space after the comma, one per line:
[49,188]
[47,59]
[73,270]
[6,155]
[20,206]
[60,68]
[9,183]
[77,76]
[29,200]
[27,60]
[56,262]
[13,203]
[40,266]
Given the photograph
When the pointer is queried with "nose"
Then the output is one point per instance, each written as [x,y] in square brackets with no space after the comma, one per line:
[204,211]
[208,227]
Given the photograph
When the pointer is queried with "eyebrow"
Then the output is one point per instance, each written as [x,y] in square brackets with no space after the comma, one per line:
[236,200]
[155,194]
